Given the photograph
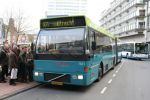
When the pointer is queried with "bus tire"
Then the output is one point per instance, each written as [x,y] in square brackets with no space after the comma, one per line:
[100,72]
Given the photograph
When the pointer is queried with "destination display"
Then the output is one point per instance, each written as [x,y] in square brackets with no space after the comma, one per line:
[62,22]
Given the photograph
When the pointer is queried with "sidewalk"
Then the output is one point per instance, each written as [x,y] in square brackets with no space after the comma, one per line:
[7,90]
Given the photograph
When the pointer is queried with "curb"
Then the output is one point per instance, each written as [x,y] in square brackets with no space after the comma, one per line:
[19,91]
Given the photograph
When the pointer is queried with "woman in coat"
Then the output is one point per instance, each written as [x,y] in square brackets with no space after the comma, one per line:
[13,64]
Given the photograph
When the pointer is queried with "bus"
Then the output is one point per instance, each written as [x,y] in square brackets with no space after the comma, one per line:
[73,51]
[135,50]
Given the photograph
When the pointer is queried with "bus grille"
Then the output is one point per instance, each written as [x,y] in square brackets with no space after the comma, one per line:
[50,76]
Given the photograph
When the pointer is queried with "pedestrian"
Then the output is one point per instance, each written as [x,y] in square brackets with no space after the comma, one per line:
[4,63]
[23,65]
[13,64]
[30,64]
[19,65]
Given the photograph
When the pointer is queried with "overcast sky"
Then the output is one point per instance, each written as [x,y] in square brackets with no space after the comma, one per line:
[35,9]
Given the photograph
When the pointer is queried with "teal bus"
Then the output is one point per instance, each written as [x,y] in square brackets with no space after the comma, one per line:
[72,50]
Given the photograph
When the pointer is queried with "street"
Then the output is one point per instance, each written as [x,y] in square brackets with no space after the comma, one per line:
[128,81]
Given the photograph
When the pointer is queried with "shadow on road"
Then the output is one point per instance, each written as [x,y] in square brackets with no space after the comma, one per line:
[72,88]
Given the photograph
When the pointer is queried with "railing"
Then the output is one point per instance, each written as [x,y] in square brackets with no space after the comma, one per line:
[141,27]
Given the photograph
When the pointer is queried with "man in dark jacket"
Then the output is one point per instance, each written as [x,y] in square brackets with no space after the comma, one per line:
[13,64]
[4,63]
[30,65]
[23,65]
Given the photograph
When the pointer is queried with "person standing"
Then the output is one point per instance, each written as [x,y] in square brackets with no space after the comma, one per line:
[13,64]
[30,65]
[23,64]
[4,63]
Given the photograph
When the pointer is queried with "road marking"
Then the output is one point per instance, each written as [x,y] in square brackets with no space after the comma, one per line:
[114,75]
[121,64]
[109,81]
[104,89]
[117,71]
[119,67]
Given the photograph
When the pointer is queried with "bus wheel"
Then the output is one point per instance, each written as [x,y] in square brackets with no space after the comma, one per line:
[100,72]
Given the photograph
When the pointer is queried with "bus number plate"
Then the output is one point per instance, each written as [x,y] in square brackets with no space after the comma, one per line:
[56,83]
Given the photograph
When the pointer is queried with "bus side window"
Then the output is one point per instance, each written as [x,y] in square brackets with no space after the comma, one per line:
[107,49]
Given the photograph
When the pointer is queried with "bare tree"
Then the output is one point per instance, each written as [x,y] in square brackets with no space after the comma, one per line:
[20,26]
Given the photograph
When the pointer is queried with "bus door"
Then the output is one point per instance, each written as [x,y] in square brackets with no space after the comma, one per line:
[94,57]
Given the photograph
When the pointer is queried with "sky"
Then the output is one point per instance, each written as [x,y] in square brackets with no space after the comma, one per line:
[34,10]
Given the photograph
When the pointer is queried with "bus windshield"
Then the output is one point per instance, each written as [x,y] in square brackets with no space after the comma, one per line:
[62,41]
[141,48]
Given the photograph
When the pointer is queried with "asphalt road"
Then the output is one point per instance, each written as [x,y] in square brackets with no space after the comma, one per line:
[130,80]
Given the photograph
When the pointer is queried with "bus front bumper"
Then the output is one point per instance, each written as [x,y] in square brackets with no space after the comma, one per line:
[67,78]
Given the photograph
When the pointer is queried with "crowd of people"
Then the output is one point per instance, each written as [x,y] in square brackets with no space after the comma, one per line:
[16,64]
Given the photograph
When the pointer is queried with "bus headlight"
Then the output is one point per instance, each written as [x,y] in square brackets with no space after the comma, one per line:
[80,77]
[36,74]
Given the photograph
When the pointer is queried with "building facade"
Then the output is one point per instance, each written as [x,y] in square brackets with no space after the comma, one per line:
[11,34]
[66,7]
[127,19]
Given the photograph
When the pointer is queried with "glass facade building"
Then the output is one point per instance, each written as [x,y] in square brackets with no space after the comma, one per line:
[66,7]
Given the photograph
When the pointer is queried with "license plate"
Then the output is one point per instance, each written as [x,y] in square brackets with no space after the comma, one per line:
[56,83]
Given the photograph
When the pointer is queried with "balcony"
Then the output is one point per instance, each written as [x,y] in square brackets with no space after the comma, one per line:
[140,28]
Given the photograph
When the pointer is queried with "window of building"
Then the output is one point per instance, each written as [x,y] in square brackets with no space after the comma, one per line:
[139,1]
[141,24]
[142,12]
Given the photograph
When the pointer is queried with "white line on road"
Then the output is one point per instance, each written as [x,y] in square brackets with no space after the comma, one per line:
[114,75]
[104,89]
[117,71]
[109,81]
[121,65]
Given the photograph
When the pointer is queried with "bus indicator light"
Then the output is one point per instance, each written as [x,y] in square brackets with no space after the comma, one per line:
[86,69]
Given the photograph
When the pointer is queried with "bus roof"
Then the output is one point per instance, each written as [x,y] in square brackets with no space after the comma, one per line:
[72,21]
[98,28]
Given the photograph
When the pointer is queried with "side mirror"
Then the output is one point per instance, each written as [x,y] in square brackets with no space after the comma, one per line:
[32,46]
[33,49]
[93,45]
